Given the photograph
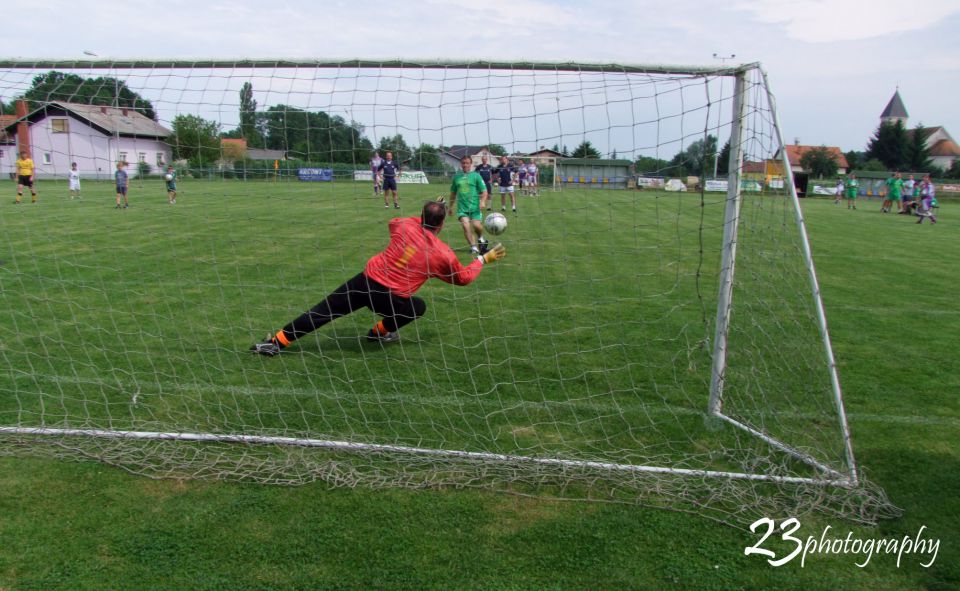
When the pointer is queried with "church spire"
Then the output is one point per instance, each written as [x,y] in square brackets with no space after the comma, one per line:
[895,110]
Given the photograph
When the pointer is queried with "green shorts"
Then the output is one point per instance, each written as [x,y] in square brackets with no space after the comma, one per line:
[473,214]
[851,195]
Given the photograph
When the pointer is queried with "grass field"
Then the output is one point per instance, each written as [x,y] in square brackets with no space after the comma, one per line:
[199,281]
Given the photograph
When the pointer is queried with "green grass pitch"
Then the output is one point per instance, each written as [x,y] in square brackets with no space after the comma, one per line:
[181,291]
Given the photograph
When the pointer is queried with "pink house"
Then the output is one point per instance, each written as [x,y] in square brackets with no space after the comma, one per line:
[93,136]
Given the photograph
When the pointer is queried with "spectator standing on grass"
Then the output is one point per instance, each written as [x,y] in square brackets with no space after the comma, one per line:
[840,189]
[375,163]
[486,173]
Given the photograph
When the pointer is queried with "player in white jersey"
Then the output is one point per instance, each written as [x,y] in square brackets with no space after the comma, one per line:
[533,186]
[74,176]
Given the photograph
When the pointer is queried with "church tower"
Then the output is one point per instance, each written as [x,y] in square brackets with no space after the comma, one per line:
[895,110]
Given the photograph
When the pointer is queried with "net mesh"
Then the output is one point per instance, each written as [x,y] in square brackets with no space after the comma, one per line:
[579,367]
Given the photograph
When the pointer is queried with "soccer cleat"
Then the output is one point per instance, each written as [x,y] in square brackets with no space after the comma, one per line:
[390,337]
[269,347]
[396,206]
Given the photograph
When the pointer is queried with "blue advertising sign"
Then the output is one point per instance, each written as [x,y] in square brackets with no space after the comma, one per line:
[315,174]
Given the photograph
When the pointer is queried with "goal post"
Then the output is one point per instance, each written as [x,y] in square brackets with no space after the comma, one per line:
[667,347]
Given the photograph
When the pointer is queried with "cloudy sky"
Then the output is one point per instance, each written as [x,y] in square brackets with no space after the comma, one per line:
[833,64]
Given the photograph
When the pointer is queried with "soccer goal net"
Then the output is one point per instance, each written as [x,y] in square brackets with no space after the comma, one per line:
[654,335]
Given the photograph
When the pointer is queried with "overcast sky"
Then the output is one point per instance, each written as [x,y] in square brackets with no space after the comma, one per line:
[833,64]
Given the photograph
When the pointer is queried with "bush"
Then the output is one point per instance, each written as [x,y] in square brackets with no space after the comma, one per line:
[143,169]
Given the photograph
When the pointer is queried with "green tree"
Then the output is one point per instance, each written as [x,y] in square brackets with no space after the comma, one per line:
[565,152]
[396,144]
[585,150]
[918,154]
[497,149]
[651,166]
[854,159]
[71,88]
[249,130]
[427,157]
[697,159]
[723,161]
[889,145]
[874,165]
[314,136]
[820,162]
[954,171]
[195,139]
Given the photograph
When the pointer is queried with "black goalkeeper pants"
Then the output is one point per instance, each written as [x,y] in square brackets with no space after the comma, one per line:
[358,292]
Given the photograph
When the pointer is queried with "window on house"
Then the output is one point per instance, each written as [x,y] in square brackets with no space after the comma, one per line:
[59,125]
[47,158]
[159,158]
[143,156]
[122,157]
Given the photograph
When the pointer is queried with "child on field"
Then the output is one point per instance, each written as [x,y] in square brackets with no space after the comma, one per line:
[74,181]
[171,178]
[122,183]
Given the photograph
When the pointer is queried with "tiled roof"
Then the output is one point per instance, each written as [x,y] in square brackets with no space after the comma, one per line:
[119,120]
[795,153]
[945,148]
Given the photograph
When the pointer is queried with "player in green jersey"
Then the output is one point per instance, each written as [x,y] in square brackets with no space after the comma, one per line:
[852,186]
[468,194]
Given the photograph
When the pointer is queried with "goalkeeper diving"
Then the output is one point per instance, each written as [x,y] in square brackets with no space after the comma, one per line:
[389,280]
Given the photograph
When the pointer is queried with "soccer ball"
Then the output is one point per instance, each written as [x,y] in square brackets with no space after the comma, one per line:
[496,223]
[168,176]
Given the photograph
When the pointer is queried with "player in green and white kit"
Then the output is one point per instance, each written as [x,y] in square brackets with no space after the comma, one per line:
[850,191]
[468,193]
[894,192]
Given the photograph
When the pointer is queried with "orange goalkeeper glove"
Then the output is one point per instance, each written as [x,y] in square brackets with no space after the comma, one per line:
[496,252]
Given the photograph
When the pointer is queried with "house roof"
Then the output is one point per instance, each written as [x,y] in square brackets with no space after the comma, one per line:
[795,154]
[234,141]
[260,154]
[546,152]
[459,152]
[945,148]
[109,120]
[593,162]
[895,107]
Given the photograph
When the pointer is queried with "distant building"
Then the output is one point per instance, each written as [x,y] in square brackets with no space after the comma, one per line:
[594,173]
[944,151]
[452,155]
[95,137]
[796,152]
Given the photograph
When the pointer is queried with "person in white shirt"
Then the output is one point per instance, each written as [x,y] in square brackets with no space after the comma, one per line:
[533,187]
[74,176]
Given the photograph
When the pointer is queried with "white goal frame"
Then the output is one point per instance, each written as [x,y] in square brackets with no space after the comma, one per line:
[714,404]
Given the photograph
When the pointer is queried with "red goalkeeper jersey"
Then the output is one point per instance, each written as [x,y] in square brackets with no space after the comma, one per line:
[414,255]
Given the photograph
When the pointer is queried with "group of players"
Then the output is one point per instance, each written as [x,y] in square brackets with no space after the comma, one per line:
[507,176]
[25,179]
[910,197]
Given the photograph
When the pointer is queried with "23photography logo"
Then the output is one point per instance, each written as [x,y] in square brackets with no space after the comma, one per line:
[829,543]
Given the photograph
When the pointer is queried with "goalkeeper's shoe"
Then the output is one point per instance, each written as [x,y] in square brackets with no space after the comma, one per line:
[269,347]
[389,337]
[482,245]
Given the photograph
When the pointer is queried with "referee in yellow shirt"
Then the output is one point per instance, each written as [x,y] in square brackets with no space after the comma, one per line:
[25,177]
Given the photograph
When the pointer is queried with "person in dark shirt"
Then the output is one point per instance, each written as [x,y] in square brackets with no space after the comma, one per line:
[390,170]
[504,174]
[486,173]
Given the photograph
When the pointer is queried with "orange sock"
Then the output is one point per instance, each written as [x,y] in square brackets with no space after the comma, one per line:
[282,339]
[379,329]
